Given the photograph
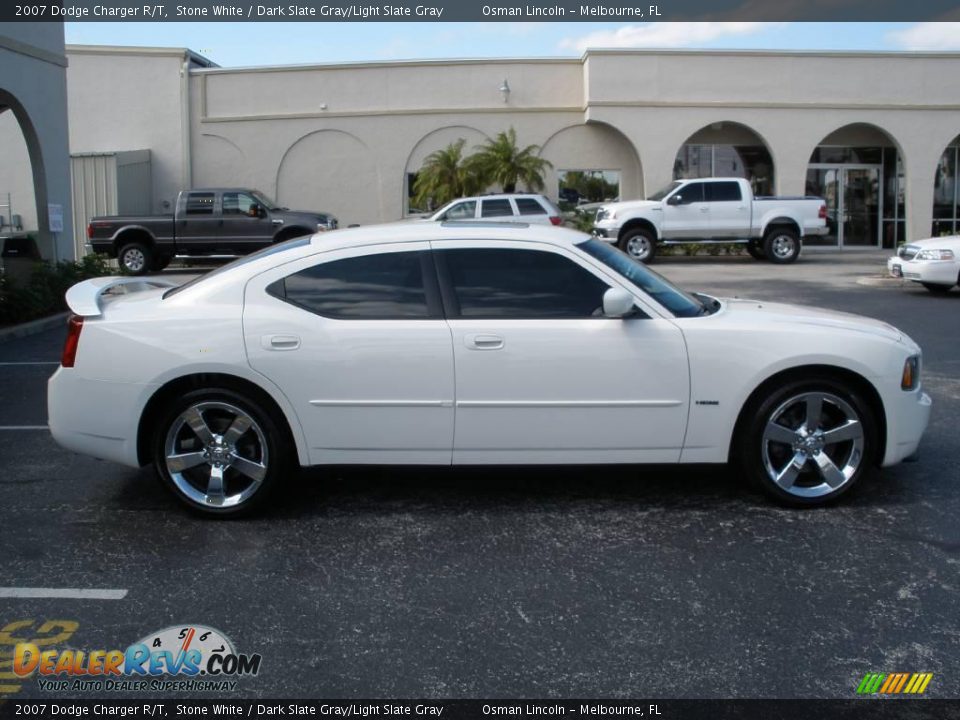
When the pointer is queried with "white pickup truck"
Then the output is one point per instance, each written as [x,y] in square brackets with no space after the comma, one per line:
[712,210]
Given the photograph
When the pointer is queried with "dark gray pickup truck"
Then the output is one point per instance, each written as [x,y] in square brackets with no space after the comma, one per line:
[207,223]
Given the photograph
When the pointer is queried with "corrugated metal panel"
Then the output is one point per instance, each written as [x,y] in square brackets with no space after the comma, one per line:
[115,183]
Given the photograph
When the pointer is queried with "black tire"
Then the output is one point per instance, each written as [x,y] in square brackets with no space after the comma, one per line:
[756,251]
[763,459]
[781,245]
[160,262]
[639,244]
[938,289]
[135,258]
[251,462]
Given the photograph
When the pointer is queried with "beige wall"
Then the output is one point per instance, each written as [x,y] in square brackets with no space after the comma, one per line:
[33,117]
[341,138]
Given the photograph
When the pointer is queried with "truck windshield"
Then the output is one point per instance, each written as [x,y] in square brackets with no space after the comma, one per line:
[264,200]
[680,303]
[661,194]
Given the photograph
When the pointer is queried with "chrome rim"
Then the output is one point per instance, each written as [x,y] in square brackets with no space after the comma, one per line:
[216,454]
[133,260]
[638,247]
[813,444]
[783,246]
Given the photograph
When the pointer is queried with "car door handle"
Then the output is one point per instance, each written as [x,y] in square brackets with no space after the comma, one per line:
[280,342]
[484,342]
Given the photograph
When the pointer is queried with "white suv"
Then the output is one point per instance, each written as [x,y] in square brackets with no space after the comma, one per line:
[504,207]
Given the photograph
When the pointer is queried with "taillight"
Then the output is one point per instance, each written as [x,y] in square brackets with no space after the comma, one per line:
[74,326]
[556,220]
[823,212]
[89,231]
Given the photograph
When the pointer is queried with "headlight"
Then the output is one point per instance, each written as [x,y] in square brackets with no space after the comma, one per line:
[935,255]
[606,214]
[910,380]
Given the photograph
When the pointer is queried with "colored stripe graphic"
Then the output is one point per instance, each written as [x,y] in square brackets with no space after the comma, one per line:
[894,683]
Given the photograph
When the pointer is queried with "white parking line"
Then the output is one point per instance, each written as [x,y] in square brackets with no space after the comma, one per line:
[24,427]
[62,593]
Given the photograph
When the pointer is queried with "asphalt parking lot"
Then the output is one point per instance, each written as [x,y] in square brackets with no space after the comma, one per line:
[596,582]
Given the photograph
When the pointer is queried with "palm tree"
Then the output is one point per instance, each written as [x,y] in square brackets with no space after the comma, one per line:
[500,161]
[445,175]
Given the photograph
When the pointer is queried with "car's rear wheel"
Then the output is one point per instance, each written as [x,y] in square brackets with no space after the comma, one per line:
[937,289]
[136,258]
[809,441]
[781,246]
[639,244]
[219,452]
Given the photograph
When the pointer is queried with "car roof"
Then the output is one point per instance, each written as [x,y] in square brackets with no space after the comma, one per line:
[403,232]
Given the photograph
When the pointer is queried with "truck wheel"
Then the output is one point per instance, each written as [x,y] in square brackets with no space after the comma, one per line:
[136,258]
[640,245]
[781,246]
[756,252]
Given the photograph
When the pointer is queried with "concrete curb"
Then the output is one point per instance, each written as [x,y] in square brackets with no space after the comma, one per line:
[33,327]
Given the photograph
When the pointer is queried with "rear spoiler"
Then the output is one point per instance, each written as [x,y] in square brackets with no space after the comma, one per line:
[84,298]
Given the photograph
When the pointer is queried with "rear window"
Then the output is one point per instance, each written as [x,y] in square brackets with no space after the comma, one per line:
[496,208]
[529,206]
[199,204]
[723,192]
[275,249]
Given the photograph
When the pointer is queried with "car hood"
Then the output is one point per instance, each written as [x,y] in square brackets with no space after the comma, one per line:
[631,205]
[290,217]
[948,242]
[782,314]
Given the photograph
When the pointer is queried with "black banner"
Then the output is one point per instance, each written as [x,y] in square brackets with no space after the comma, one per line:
[477,10]
[914,708]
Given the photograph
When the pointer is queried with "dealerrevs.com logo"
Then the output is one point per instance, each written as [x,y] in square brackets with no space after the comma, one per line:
[178,659]
[894,683]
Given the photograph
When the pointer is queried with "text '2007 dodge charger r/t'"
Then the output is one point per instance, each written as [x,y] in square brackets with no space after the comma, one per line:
[471,344]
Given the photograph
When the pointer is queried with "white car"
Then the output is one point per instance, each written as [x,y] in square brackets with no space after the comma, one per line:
[471,344]
[504,207]
[934,263]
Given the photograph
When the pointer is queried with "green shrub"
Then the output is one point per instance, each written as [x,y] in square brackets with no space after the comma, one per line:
[43,294]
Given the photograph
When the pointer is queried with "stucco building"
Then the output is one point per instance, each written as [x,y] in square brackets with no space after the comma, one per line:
[874,133]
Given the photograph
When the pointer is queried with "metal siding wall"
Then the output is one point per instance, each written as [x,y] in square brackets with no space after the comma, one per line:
[134,183]
[94,179]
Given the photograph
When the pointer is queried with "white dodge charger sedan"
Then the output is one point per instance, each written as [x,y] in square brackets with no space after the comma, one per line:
[471,344]
[934,263]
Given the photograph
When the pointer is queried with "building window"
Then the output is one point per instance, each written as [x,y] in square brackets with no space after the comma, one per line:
[751,162]
[945,212]
[578,187]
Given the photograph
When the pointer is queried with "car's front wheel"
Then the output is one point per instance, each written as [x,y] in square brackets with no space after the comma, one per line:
[219,452]
[809,441]
[640,245]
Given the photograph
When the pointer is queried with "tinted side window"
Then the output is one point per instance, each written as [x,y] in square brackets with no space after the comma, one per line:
[383,286]
[496,208]
[529,206]
[199,204]
[462,211]
[723,192]
[507,283]
[692,193]
[239,204]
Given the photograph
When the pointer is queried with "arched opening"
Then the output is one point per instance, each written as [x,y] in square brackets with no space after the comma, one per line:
[591,163]
[431,142]
[858,170]
[946,200]
[23,188]
[727,149]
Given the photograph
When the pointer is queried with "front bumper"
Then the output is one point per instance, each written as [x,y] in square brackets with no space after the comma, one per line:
[908,414]
[936,272]
[606,230]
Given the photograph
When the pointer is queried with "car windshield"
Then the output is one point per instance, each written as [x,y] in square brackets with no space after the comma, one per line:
[677,301]
[264,200]
[269,250]
[665,191]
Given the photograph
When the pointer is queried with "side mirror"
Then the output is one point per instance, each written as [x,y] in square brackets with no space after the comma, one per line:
[261,211]
[675,199]
[617,303]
